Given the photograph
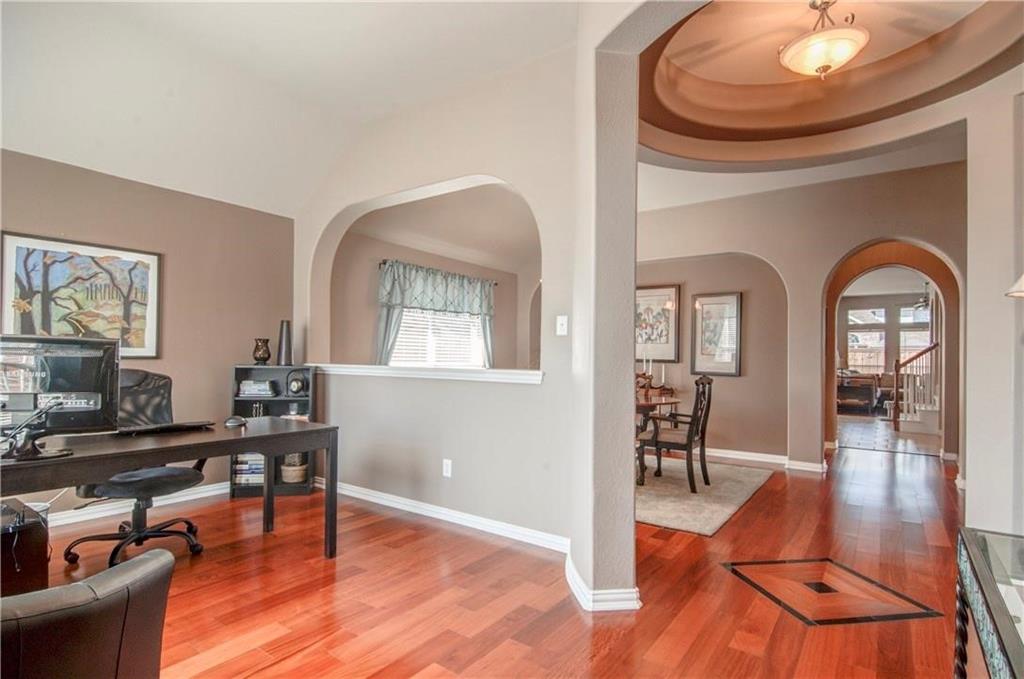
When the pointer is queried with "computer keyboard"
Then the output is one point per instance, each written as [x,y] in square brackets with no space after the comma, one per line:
[164,428]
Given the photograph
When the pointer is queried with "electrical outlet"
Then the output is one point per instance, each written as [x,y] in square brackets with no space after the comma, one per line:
[561,325]
[446,468]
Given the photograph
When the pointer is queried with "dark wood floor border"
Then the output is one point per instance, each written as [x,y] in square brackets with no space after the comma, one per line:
[925,612]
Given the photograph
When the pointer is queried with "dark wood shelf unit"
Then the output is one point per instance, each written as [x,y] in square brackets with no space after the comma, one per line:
[277,405]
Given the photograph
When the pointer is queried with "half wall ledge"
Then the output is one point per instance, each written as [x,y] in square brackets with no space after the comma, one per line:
[457,374]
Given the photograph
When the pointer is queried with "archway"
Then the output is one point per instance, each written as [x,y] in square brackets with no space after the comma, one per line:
[488,232]
[320,324]
[934,267]
[750,410]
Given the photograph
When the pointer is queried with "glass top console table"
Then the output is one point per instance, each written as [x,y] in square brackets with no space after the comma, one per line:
[990,584]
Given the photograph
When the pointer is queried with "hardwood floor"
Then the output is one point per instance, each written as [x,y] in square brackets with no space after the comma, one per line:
[410,596]
[875,433]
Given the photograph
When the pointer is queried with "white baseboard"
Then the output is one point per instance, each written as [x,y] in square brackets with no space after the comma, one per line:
[816,467]
[598,600]
[115,508]
[746,456]
[508,530]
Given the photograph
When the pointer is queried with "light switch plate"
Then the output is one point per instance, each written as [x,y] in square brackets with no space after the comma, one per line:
[446,468]
[561,325]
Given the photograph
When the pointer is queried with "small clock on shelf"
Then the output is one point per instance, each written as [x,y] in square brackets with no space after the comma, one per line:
[297,383]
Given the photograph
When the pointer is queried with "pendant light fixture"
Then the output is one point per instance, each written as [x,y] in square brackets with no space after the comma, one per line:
[826,47]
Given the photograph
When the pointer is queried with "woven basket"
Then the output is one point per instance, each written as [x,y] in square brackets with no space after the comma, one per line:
[293,474]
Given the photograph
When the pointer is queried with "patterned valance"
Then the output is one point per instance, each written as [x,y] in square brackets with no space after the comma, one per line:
[409,286]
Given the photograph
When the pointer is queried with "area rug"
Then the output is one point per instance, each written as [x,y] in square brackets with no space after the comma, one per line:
[667,501]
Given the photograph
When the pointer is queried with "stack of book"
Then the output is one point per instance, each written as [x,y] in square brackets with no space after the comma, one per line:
[247,469]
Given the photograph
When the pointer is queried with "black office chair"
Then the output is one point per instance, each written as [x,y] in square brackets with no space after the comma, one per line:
[145,399]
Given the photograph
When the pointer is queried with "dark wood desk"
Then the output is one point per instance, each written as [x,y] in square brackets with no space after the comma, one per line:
[99,457]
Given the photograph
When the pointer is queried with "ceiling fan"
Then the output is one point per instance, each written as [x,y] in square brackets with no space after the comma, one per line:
[925,300]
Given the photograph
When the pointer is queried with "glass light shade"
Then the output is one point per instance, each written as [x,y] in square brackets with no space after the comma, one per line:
[821,52]
[1018,289]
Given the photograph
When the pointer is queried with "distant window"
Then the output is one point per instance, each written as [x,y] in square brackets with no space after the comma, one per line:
[865,316]
[439,340]
[913,341]
[866,351]
[911,315]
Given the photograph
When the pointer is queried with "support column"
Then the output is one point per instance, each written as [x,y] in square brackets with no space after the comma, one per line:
[995,249]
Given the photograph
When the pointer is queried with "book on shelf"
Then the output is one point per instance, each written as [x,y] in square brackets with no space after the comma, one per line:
[257,388]
[249,480]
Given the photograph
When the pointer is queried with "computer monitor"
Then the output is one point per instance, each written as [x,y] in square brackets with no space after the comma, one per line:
[55,385]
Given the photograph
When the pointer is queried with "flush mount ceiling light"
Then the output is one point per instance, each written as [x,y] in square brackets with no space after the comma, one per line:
[826,47]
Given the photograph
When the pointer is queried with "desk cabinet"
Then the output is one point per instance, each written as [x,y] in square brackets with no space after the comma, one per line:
[25,550]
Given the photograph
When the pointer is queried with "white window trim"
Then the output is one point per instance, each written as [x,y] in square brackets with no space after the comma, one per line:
[501,376]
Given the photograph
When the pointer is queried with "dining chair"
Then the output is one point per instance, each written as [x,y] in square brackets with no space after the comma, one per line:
[681,432]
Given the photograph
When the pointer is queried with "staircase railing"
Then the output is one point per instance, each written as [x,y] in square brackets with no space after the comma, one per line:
[915,384]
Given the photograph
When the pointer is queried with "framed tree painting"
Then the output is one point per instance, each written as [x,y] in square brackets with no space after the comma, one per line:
[657,323]
[715,342]
[66,289]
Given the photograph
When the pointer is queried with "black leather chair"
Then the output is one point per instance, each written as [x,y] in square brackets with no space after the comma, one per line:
[109,625]
[145,399]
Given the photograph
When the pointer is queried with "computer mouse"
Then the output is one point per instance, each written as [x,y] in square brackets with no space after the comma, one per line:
[235,421]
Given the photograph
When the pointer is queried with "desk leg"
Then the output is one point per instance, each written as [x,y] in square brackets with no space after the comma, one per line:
[331,498]
[268,493]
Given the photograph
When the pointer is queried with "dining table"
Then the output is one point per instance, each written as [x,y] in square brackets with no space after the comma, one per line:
[649,402]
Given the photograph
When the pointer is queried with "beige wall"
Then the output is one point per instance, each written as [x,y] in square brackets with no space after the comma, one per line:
[748,413]
[354,298]
[510,443]
[226,278]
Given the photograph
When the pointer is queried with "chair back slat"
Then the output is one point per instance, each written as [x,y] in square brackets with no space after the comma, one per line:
[701,409]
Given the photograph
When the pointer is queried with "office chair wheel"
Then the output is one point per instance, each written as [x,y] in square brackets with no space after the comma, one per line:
[196,548]
[71,557]
[192,530]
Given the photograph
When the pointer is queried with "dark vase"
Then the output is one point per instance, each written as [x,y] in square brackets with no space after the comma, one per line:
[284,344]
[261,352]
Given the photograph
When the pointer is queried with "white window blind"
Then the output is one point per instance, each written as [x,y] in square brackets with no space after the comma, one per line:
[439,339]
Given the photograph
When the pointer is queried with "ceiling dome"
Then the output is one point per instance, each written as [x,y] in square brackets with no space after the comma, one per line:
[716,76]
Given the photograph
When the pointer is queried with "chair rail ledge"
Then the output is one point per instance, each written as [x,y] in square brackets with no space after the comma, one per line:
[457,374]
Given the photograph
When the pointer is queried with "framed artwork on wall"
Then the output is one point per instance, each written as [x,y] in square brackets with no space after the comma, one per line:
[657,323]
[67,289]
[716,334]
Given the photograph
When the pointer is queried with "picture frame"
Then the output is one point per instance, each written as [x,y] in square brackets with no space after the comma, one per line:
[91,291]
[716,334]
[656,323]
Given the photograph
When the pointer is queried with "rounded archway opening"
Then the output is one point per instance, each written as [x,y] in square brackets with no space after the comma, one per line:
[484,232]
[887,322]
[749,410]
